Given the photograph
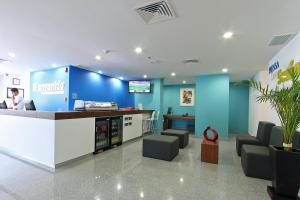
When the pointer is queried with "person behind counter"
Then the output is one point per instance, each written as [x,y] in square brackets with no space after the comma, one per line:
[17,100]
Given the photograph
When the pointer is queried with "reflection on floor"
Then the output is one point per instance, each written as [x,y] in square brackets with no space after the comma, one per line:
[123,173]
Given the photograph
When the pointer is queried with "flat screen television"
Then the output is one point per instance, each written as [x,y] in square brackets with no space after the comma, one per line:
[139,86]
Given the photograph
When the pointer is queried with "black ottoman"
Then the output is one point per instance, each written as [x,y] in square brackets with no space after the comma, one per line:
[182,135]
[256,161]
[160,147]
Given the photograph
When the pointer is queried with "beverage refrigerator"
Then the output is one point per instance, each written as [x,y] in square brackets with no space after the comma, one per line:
[108,133]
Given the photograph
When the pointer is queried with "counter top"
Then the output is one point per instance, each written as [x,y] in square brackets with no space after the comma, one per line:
[70,114]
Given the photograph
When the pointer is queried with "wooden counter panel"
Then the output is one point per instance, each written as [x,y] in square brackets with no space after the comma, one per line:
[70,114]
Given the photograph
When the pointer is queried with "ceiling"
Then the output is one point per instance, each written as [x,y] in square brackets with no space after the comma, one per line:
[41,33]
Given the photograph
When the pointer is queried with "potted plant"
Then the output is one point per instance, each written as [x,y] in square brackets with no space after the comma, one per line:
[285,99]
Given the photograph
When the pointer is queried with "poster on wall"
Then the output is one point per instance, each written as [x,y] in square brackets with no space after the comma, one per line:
[187,96]
[9,95]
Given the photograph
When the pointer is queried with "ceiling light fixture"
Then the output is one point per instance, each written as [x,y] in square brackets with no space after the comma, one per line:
[173,74]
[119,186]
[121,78]
[12,55]
[228,35]
[138,50]
[142,194]
[97,57]
[145,76]
[224,70]
[184,82]
[100,72]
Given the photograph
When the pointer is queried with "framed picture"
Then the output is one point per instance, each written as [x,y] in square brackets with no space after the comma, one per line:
[187,97]
[16,81]
[9,95]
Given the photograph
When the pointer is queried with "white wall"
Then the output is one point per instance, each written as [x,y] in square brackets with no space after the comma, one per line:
[257,111]
[6,80]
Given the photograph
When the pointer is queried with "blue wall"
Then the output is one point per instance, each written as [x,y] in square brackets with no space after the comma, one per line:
[238,108]
[154,100]
[171,95]
[212,103]
[50,102]
[92,86]
[86,85]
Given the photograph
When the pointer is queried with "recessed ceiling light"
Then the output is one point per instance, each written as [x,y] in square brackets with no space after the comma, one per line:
[145,76]
[184,82]
[54,65]
[138,50]
[228,35]
[173,74]
[224,70]
[97,57]
[100,72]
[121,78]
[119,186]
[142,194]
[12,55]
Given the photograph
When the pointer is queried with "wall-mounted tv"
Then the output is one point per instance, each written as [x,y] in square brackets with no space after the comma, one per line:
[139,86]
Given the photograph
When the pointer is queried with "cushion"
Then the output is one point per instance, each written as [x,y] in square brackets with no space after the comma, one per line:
[182,135]
[160,147]
[256,161]
[245,139]
[264,131]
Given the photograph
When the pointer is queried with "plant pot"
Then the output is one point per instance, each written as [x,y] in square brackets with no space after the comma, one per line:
[286,172]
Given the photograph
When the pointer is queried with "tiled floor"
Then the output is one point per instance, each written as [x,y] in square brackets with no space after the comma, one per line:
[122,173]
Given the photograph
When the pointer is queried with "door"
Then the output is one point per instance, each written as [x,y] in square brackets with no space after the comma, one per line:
[116,126]
[102,133]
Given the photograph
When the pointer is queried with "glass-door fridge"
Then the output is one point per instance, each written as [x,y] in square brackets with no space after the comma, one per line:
[102,136]
[116,132]
[108,133]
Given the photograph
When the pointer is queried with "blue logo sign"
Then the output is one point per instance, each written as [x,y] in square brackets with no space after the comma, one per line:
[273,67]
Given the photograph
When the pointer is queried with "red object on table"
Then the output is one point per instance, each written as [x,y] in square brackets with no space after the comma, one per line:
[216,135]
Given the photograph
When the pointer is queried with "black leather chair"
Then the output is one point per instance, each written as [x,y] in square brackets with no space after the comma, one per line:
[262,138]
[256,160]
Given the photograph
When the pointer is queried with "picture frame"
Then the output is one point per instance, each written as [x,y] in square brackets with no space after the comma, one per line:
[16,81]
[187,97]
[9,95]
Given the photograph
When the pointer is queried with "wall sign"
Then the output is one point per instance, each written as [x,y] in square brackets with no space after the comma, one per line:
[187,96]
[56,87]
[273,67]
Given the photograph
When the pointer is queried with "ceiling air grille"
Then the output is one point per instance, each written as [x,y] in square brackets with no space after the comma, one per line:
[156,12]
[281,39]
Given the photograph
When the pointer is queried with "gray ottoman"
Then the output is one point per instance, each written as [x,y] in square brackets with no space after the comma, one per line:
[160,147]
[182,135]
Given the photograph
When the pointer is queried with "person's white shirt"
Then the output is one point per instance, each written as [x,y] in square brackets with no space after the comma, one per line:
[20,103]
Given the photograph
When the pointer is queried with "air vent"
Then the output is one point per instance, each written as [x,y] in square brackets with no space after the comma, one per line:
[187,61]
[156,11]
[3,60]
[281,39]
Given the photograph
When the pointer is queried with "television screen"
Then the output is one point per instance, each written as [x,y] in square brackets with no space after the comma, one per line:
[139,86]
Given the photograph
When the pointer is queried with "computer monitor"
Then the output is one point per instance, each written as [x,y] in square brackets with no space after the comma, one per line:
[30,105]
[3,105]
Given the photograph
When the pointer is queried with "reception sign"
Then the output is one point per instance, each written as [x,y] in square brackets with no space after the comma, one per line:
[49,89]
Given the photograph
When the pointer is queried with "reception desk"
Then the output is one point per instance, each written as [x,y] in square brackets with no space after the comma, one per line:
[52,138]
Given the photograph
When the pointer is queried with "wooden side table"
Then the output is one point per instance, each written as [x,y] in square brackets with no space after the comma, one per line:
[210,152]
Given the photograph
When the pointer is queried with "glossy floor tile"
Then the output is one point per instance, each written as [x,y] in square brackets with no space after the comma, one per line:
[122,173]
